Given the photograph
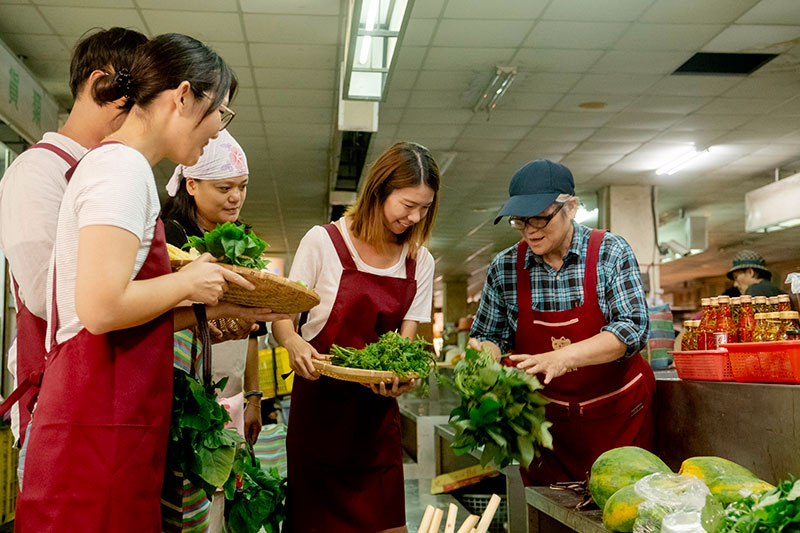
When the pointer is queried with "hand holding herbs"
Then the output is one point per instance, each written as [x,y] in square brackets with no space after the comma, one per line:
[393,353]
[774,510]
[232,245]
[500,410]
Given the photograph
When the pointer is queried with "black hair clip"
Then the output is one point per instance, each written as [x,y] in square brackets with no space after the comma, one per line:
[123,82]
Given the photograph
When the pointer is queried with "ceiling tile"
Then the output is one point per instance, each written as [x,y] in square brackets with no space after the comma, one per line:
[49,70]
[485,131]
[310,131]
[437,116]
[576,119]
[227,6]
[293,55]
[298,115]
[772,12]
[429,9]
[623,135]
[295,7]
[22,19]
[410,57]
[479,59]
[481,33]
[539,60]
[538,146]
[740,106]
[86,3]
[296,97]
[410,131]
[791,107]
[74,21]
[545,82]
[508,9]
[618,61]
[614,102]
[245,96]
[201,25]
[753,38]
[37,46]
[508,117]
[389,116]
[519,158]
[607,148]
[396,98]
[711,122]
[703,137]
[645,121]
[771,126]
[419,32]
[292,29]
[616,83]
[669,104]
[678,85]
[776,86]
[436,100]
[404,79]
[592,10]
[434,80]
[529,101]
[562,34]
[693,12]
[499,145]
[235,54]
[667,36]
[542,133]
[294,78]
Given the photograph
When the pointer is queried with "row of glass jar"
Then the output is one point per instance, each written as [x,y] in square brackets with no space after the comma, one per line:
[767,327]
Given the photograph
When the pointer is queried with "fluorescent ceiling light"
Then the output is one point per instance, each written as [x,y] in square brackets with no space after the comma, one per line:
[375,31]
[682,161]
[497,88]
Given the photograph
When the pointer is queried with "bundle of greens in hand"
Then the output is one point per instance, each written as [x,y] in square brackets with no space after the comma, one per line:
[232,244]
[392,352]
[501,410]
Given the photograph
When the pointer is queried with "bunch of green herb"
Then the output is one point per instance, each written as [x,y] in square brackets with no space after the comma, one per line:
[199,445]
[393,353]
[232,245]
[261,500]
[775,510]
[501,410]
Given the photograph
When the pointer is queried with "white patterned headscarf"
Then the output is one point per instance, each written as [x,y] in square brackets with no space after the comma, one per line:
[222,158]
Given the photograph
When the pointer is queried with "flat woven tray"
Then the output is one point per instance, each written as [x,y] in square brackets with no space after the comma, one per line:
[275,292]
[231,328]
[357,375]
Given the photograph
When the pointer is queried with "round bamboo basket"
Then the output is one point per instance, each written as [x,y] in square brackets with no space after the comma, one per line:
[358,375]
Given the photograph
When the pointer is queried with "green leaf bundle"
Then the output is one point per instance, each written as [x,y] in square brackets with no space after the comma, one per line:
[261,500]
[232,245]
[772,511]
[500,410]
[392,352]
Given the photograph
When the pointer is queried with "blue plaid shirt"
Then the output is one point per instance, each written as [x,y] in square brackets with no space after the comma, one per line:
[619,291]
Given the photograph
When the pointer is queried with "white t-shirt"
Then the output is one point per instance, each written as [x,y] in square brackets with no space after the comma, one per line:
[113,186]
[317,263]
[30,195]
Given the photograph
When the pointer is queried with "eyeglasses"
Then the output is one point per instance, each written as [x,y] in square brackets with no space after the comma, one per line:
[536,223]
[226,115]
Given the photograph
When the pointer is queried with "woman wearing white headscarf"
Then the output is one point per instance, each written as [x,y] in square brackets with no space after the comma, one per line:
[208,193]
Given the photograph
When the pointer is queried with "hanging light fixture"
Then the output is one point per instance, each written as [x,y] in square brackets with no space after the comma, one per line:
[498,86]
[682,161]
[375,31]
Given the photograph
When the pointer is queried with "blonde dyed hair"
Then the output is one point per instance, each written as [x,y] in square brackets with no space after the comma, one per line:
[404,164]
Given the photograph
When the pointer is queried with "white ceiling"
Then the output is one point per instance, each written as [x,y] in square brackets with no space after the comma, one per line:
[621,52]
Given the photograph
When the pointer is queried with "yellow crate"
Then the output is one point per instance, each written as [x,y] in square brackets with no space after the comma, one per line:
[266,376]
[9,458]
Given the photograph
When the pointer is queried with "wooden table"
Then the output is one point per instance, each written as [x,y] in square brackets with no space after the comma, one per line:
[553,511]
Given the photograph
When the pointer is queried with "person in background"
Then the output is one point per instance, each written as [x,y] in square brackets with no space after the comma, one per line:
[373,275]
[568,302]
[208,193]
[97,443]
[750,275]
[31,191]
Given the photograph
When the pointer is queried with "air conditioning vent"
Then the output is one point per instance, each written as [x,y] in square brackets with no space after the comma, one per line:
[723,64]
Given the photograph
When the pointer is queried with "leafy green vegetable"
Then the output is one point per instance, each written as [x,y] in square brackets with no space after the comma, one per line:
[232,245]
[500,410]
[302,283]
[261,500]
[775,510]
[392,352]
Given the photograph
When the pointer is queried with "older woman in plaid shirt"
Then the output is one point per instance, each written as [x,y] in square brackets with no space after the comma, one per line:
[567,302]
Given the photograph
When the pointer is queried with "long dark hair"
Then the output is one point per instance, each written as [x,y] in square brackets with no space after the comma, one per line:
[163,63]
[108,50]
[182,209]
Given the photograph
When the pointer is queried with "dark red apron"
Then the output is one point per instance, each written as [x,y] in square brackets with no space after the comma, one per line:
[97,449]
[344,456]
[593,409]
[31,335]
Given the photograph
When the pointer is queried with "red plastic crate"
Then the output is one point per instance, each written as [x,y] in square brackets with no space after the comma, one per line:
[706,365]
[768,362]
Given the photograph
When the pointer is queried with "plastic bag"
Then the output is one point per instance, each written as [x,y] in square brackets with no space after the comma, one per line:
[793,279]
[673,504]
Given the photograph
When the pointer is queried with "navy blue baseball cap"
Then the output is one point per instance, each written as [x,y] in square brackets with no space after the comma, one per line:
[534,187]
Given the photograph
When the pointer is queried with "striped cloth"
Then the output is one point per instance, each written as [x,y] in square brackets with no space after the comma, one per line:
[270,448]
[661,338]
[182,351]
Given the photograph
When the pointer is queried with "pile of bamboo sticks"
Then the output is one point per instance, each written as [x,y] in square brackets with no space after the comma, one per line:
[432,519]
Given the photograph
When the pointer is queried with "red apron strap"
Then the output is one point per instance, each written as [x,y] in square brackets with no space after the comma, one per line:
[71,170]
[341,248]
[523,281]
[33,380]
[53,313]
[71,161]
[411,268]
[592,260]
[16,292]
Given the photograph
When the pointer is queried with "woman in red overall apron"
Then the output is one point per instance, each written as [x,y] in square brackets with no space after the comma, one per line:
[344,455]
[576,343]
[97,445]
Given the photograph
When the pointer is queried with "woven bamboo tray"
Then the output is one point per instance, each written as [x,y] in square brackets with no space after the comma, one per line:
[357,375]
[275,292]
[231,328]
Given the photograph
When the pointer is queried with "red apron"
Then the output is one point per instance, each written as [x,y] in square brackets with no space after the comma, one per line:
[95,459]
[31,335]
[344,456]
[594,408]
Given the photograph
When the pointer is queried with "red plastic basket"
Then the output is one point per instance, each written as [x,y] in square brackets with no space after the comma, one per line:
[706,365]
[769,362]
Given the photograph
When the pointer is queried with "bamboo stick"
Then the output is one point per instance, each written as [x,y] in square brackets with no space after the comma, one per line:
[488,514]
[468,524]
[426,520]
[450,524]
[437,521]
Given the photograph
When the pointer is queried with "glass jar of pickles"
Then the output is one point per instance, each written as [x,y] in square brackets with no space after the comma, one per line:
[760,329]
[773,327]
[760,304]
[736,306]
[772,304]
[784,304]
[789,322]
[689,339]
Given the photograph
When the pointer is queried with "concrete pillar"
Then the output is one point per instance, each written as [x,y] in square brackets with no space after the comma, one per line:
[454,304]
[627,210]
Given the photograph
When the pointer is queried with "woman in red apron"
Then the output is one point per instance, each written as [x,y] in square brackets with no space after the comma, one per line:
[579,326]
[97,444]
[344,456]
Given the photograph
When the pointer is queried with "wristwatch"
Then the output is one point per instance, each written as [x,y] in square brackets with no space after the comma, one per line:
[253,393]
